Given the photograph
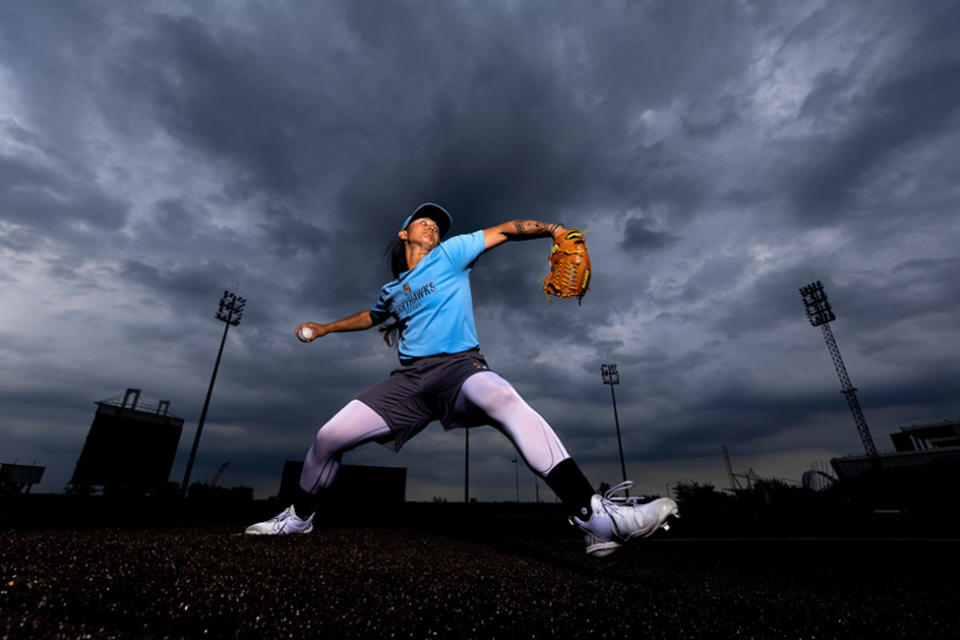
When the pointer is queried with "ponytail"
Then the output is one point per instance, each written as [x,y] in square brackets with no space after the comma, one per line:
[397,251]
[397,254]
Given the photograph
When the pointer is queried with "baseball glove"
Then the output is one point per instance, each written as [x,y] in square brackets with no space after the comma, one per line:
[569,267]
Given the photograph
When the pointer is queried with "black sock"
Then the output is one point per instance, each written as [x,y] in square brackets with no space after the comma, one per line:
[572,487]
[305,503]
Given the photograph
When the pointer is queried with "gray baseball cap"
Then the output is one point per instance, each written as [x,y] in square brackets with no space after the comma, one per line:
[433,211]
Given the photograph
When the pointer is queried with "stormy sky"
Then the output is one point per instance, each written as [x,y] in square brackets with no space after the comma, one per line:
[722,154]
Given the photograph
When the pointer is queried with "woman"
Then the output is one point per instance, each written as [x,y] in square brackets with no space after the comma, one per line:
[442,376]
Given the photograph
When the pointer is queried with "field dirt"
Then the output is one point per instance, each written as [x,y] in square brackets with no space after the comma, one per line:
[510,579]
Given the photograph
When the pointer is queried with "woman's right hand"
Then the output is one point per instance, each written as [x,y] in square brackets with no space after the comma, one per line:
[318,330]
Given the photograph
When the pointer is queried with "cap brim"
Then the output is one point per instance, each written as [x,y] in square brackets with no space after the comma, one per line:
[433,211]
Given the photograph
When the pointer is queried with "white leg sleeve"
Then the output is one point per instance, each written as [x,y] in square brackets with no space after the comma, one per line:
[508,412]
[352,426]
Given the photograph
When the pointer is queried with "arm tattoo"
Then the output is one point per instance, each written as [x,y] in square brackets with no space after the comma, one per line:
[534,228]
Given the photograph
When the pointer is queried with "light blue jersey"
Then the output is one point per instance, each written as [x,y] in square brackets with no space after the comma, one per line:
[434,300]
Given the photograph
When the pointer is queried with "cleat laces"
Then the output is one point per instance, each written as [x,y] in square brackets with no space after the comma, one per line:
[280,521]
[611,500]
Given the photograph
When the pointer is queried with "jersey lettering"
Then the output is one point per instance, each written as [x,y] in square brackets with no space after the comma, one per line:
[415,298]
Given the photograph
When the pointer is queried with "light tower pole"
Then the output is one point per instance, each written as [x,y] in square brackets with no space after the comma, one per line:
[611,377]
[230,313]
[821,315]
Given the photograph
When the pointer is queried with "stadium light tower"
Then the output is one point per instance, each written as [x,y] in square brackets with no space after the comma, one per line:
[611,377]
[821,315]
[230,313]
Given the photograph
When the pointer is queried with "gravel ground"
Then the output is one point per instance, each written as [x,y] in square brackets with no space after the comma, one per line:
[367,582]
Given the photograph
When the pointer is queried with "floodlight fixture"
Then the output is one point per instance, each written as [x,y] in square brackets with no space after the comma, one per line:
[816,304]
[609,373]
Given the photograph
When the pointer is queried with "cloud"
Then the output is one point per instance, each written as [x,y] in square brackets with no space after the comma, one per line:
[42,200]
[638,239]
[904,103]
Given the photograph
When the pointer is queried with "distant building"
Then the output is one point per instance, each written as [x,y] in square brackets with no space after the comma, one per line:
[816,480]
[388,484]
[130,447]
[918,449]
[936,435]
[18,478]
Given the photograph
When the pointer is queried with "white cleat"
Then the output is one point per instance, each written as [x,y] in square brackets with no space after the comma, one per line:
[616,519]
[286,522]
[600,548]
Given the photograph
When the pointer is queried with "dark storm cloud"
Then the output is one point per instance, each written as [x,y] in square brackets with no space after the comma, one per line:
[43,200]
[289,235]
[490,124]
[175,217]
[213,92]
[824,99]
[179,285]
[773,302]
[711,119]
[639,239]
[911,99]
[914,288]
[894,307]
[67,268]
[18,240]
[910,293]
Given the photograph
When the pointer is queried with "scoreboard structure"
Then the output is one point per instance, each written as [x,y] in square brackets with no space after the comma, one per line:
[130,447]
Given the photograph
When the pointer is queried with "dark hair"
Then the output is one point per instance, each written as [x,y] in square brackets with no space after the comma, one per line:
[397,254]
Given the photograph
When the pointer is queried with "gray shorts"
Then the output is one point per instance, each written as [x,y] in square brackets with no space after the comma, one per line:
[420,392]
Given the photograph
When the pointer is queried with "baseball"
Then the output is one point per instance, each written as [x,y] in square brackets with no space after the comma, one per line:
[305,333]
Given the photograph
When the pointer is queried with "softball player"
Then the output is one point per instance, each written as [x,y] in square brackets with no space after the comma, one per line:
[442,376]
